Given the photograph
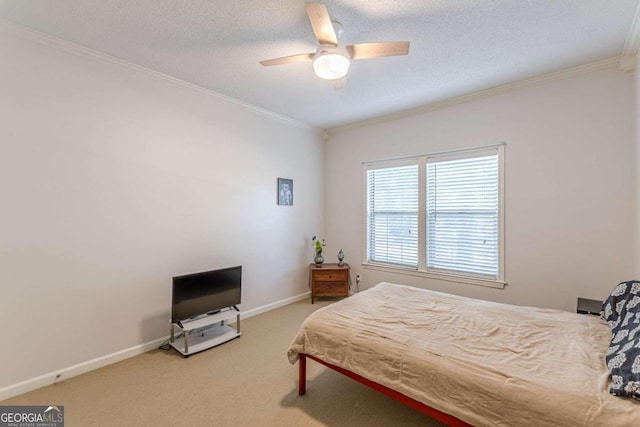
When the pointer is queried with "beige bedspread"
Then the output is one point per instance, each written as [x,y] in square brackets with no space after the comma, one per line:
[488,364]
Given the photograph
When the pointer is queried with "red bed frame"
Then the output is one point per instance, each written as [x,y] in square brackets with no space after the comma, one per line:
[427,410]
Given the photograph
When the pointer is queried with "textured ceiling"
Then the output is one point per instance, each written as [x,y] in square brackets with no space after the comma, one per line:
[457,46]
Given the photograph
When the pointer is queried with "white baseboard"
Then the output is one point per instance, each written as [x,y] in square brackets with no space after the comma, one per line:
[80,368]
[90,365]
[274,305]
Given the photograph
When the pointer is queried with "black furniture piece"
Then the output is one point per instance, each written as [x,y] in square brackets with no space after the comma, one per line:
[589,306]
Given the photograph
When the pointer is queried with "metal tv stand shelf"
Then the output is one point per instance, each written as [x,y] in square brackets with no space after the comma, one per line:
[205,332]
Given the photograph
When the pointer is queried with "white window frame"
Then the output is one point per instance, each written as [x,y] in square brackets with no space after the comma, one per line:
[422,270]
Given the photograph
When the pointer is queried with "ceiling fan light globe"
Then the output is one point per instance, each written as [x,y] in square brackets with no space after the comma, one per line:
[331,66]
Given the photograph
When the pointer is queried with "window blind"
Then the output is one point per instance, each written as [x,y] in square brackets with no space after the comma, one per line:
[462,215]
[392,215]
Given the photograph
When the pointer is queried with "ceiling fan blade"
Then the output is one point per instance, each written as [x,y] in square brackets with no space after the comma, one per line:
[321,23]
[339,83]
[288,59]
[377,50]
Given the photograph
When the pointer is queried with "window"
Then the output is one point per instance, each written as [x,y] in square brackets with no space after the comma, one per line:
[462,215]
[439,214]
[392,215]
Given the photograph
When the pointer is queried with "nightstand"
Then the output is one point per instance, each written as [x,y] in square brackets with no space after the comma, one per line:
[329,280]
[589,306]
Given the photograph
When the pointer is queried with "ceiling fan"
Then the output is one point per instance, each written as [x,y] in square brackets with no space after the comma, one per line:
[331,61]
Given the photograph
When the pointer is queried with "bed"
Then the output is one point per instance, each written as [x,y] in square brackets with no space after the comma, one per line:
[469,362]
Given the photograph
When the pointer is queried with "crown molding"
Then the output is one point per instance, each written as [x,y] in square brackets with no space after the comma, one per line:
[628,64]
[48,40]
[608,63]
[631,45]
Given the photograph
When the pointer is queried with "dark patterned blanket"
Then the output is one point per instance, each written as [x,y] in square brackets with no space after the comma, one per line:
[621,310]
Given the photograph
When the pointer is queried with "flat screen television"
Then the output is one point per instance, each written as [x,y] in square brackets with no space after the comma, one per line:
[207,292]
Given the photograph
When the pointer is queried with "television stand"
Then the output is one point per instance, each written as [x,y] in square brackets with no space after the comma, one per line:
[205,332]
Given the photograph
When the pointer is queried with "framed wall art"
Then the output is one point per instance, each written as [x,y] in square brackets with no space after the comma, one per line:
[285,192]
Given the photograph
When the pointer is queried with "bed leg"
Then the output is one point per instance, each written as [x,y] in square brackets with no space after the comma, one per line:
[302,374]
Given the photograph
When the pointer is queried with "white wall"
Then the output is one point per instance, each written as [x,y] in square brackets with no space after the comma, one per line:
[112,181]
[570,191]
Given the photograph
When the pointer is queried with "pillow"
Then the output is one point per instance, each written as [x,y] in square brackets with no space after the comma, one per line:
[621,310]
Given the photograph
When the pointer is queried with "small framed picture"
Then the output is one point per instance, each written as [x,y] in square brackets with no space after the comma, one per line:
[285,192]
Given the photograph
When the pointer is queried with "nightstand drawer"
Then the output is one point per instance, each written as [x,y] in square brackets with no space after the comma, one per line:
[330,276]
[330,289]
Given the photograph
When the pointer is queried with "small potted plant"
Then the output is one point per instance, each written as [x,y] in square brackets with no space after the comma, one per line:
[317,245]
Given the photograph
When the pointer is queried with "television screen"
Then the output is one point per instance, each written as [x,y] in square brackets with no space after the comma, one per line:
[200,293]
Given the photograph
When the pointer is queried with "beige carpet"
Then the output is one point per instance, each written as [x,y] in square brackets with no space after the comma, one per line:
[245,382]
